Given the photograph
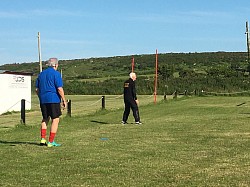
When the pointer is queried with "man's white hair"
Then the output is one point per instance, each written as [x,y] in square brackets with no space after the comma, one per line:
[132,74]
[52,62]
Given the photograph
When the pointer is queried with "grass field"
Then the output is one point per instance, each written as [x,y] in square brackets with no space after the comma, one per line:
[81,105]
[197,141]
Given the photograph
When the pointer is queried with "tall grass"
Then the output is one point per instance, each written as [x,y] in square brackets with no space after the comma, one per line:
[189,142]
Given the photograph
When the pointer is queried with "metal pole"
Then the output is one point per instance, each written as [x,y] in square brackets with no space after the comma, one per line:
[39,53]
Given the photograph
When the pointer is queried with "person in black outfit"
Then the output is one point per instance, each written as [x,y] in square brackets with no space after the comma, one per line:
[130,100]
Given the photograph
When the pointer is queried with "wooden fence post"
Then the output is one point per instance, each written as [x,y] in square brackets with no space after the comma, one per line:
[23,111]
[165,96]
[185,92]
[103,102]
[69,108]
[175,95]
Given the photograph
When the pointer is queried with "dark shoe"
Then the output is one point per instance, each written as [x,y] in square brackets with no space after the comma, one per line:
[124,122]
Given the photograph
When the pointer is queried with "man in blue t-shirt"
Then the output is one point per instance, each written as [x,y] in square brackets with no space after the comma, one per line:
[49,88]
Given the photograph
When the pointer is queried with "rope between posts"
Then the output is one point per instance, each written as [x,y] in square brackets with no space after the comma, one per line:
[11,107]
[192,92]
[28,101]
[79,105]
[225,92]
[32,104]
[94,103]
[117,97]
[151,95]
[173,93]
[7,111]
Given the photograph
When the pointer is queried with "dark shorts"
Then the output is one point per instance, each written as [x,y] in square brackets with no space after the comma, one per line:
[52,110]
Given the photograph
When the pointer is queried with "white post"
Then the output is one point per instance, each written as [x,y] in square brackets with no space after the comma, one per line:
[39,53]
[248,45]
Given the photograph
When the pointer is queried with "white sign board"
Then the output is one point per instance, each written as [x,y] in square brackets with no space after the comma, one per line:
[14,88]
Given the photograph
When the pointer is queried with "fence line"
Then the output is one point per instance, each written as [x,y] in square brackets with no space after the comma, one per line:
[117,97]
[101,100]
[95,102]
[10,121]
[11,107]
[225,93]
[151,95]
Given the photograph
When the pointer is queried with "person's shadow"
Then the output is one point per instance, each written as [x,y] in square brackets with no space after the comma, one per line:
[99,122]
[14,143]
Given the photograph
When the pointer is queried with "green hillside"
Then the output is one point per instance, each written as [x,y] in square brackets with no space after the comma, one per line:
[214,71]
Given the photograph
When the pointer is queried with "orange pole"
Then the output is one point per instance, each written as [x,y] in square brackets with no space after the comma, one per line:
[133,64]
[156,75]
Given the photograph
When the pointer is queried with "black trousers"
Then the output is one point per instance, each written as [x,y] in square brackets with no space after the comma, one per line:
[131,104]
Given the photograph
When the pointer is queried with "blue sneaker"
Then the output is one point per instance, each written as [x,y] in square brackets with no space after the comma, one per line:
[53,144]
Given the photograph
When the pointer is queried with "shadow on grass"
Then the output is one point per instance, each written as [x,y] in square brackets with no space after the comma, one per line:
[99,122]
[5,127]
[245,113]
[241,104]
[13,143]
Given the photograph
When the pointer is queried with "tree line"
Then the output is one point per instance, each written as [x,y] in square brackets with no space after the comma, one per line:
[212,72]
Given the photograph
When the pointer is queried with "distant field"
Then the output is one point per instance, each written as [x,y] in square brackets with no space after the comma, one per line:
[195,141]
[81,105]
[113,77]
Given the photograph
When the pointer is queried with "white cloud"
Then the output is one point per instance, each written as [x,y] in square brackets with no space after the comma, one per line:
[69,42]
[54,12]
[205,14]
[180,17]
[4,14]
[39,13]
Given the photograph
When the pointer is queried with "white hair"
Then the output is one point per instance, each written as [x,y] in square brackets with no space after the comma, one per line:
[52,62]
[132,74]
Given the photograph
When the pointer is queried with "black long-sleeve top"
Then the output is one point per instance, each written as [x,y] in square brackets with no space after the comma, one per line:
[129,90]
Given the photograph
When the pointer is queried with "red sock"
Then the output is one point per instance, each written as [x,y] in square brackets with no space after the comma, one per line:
[52,137]
[43,133]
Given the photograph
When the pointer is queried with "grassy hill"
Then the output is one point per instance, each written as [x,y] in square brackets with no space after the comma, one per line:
[144,64]
[177,71]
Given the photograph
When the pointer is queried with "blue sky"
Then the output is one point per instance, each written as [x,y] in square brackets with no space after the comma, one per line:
[73,29]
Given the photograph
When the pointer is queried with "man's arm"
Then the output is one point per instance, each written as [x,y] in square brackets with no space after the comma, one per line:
[61,93]
[134,91]
[37,86]
[134,94]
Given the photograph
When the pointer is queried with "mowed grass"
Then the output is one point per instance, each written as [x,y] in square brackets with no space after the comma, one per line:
[197,141]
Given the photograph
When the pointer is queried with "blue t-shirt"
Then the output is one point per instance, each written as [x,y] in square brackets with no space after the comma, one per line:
[47,83]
